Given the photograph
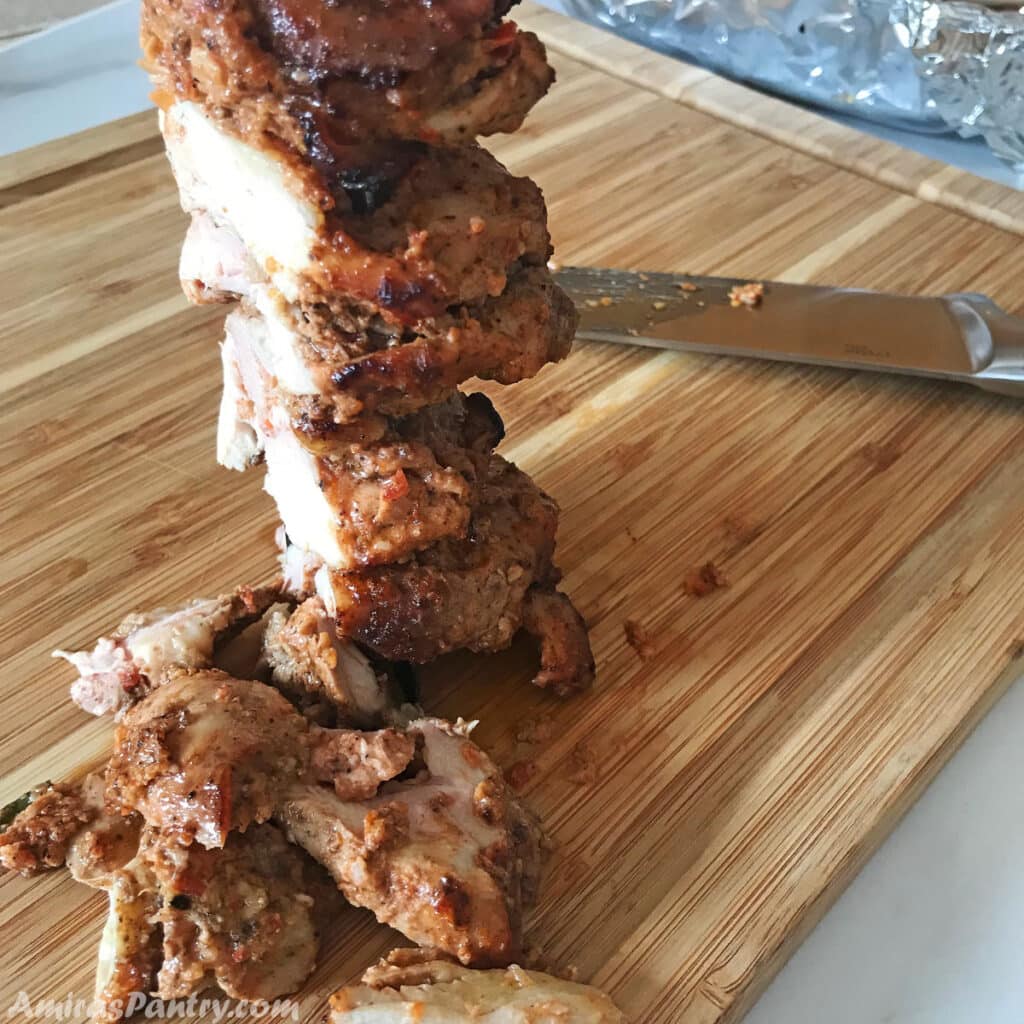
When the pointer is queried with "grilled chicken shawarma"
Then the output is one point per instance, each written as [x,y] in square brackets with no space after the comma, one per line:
[447,856]
[412,985]
[446,226]
[205,755]
[181,917]
[263,761]
[475,592]
[314,77]
[125,666]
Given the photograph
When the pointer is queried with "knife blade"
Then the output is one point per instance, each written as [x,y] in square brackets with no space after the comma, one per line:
[963,337]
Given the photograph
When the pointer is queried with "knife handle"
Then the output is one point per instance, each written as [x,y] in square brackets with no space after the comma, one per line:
[1004,373]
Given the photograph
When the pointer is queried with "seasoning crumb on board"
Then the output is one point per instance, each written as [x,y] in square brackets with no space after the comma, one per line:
[517,775]
[741,529]
[535,730]
[639,639]
[687,286]
[583,769]
[704,580]
[749,295]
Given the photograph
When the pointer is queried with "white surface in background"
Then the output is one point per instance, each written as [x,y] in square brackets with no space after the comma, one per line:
[932,930]
[75,75]
[84,72]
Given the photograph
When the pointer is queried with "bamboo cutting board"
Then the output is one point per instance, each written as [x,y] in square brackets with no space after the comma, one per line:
[736,763]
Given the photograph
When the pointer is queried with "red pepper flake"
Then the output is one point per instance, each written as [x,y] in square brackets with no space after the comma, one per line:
[639,639]
[704,580]
[395,488]
[504,34]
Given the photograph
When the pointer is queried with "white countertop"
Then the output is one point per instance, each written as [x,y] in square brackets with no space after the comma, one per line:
[932,930]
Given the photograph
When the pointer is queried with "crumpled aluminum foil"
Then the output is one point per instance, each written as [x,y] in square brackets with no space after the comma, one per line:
[919,64]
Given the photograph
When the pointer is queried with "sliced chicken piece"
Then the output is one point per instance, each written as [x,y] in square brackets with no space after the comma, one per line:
[418,230]
[181,917]
[475,593]
[354,503]
[413,985]
[130,946]
[448,857]
[337,359]
[125,666]
[242,916]
[311,665]
[206,754]
[466,593]
[313,78]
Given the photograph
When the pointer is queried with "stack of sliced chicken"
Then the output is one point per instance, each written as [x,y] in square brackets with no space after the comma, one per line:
[380,257]
[267,756]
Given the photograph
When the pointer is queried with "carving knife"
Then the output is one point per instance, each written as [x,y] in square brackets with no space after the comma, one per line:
[963,337]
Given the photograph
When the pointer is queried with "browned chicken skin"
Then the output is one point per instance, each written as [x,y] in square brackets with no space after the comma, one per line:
[379,266]
[326,152]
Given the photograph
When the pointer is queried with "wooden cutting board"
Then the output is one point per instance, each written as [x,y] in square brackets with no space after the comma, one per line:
[730,772]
